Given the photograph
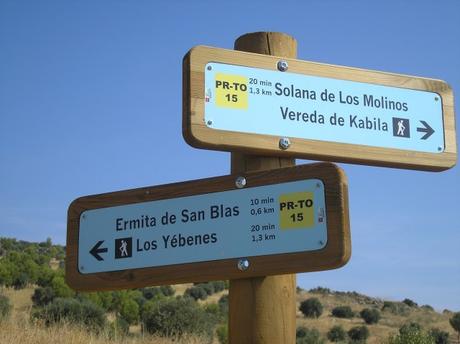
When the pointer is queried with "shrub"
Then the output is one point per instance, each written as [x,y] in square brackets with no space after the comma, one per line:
[343,312]
[439,336]
[208,287]
[311,308]
[358,334]
[129,311]
[176,317]
[71,310]
[43,296]
[222,334]
[410,303]
[337,334]
[5,307]
[21,281]
[410,327]
[60,288]
[196,292]
[119,327]
[455,323]
[167,290]
[320,290]
[308,336]
[218,286]
[151,293]
[223,304]
[427,308]
[396,308]
[370,315]
[411,336]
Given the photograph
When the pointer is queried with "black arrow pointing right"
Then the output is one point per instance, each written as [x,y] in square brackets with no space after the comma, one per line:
[96,250]
[427,130]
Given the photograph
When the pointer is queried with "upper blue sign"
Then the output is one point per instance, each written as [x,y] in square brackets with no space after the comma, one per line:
[284,104]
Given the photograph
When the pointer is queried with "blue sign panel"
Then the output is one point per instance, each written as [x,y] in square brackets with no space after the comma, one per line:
[259,101]
[264,220]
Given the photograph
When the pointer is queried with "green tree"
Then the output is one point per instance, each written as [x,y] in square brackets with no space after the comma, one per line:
[370,315]
[311,308]
[455,323]
[337,334]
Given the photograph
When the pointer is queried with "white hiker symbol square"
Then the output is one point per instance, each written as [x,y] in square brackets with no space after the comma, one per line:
[123,248]
[401,127]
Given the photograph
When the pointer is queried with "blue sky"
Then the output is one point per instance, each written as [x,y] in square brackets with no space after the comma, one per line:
[90,102]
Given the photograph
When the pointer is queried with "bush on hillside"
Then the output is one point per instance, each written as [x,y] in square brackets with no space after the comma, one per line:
[118,328]
[370,315]
[218,286]
[337,334]
[5,307]
[196,292]
[129,311]
[455,323]
[344,312]
[396,308]
[74,311]
[410,327]
[411,336]
[308,336]
[311,308]
[320,290]
[410,303]
[223,304]
[427,308]
[167,290]
[222,334]
[157,292]
[439,336]
[43,296]
[358,334]
[176,317]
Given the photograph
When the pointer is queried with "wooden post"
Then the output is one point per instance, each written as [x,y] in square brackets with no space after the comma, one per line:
[263,310]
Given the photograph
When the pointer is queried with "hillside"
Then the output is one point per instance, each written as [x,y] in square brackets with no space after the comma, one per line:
[31,277]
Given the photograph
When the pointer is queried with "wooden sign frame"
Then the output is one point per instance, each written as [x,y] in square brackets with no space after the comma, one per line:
[198,135]
[335,254]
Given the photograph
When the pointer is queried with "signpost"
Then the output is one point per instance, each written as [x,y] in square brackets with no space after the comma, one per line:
[269,219]
[237,226]
[287,107]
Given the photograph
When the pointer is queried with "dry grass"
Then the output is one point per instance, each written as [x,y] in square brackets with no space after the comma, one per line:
[18,329]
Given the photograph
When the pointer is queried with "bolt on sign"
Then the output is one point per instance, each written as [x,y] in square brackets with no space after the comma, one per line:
[273,222]
[263,104]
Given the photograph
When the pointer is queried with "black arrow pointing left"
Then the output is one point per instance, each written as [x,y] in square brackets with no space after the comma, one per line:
[96,250]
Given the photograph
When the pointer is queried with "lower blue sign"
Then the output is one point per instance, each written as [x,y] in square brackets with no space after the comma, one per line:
[265,220]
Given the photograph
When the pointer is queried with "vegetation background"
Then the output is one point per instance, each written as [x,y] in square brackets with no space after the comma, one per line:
[36,306]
